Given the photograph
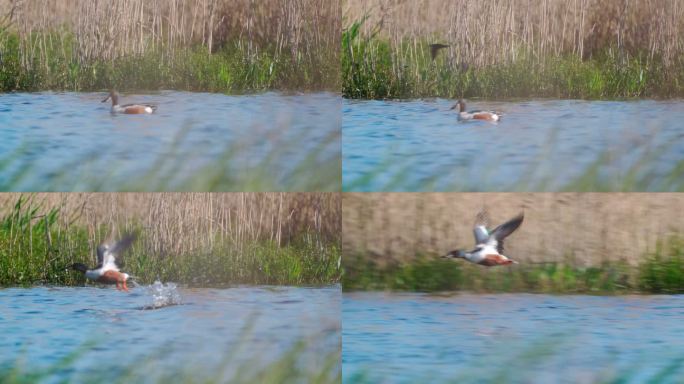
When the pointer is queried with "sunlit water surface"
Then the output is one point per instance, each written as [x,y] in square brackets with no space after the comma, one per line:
[521,338]
[71,141]
[217,333]
[419,145]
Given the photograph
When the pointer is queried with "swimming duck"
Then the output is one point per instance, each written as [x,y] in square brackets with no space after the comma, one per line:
[107,269]
[475,115]
[489,245]
[128,108]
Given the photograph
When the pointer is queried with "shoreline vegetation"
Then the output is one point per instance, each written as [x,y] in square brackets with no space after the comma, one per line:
[661,272]
[235,46]
[197,239]
[591,49]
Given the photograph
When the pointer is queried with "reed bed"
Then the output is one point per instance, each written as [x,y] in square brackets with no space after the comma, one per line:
[216,45]
[193,238]
[532,48]
[569,242]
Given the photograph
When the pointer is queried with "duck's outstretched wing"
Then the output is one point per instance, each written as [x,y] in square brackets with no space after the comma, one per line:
[107,253]
[481,234]
[480,227]
[499,233]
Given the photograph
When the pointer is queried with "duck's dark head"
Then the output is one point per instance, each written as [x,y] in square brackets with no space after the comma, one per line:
[460,104]
[79,267]
[456,254]
[114,96]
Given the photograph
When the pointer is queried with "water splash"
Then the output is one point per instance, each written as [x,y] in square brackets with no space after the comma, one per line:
[163,295]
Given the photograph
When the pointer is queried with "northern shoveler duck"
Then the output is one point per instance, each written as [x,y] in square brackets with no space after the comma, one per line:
[107,270]
[475,115]
[130,109]
[435,48]
[489,245]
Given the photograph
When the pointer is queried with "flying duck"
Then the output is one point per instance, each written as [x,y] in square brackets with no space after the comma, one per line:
[435,48]
[130,109]
[107,269]
[489,244]
[475,115]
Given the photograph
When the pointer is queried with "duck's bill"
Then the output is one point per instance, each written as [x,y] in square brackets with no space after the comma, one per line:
[106,98]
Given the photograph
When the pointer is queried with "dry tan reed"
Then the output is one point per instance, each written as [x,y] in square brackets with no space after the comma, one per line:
[485,32]
[179,223]
[589,227]
[113,28]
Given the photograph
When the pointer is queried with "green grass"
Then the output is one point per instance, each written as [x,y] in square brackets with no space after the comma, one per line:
[661,271]
[319,170]
[231,69]
[35,250]
[374,68]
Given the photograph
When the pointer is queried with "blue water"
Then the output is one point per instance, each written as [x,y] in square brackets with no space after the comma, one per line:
[70,141]
[513,338]
[539,145]
[215,332]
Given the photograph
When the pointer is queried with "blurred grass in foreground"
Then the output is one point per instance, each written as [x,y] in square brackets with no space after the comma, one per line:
[35,250]
[533,361]
[630,166]
[662,271]
[236,168]
[290,367]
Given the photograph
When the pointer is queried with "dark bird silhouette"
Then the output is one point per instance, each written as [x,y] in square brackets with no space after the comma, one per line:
[434,49]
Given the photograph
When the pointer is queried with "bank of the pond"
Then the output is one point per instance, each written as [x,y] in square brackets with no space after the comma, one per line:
[661,271]
[375,68]
[231,69]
